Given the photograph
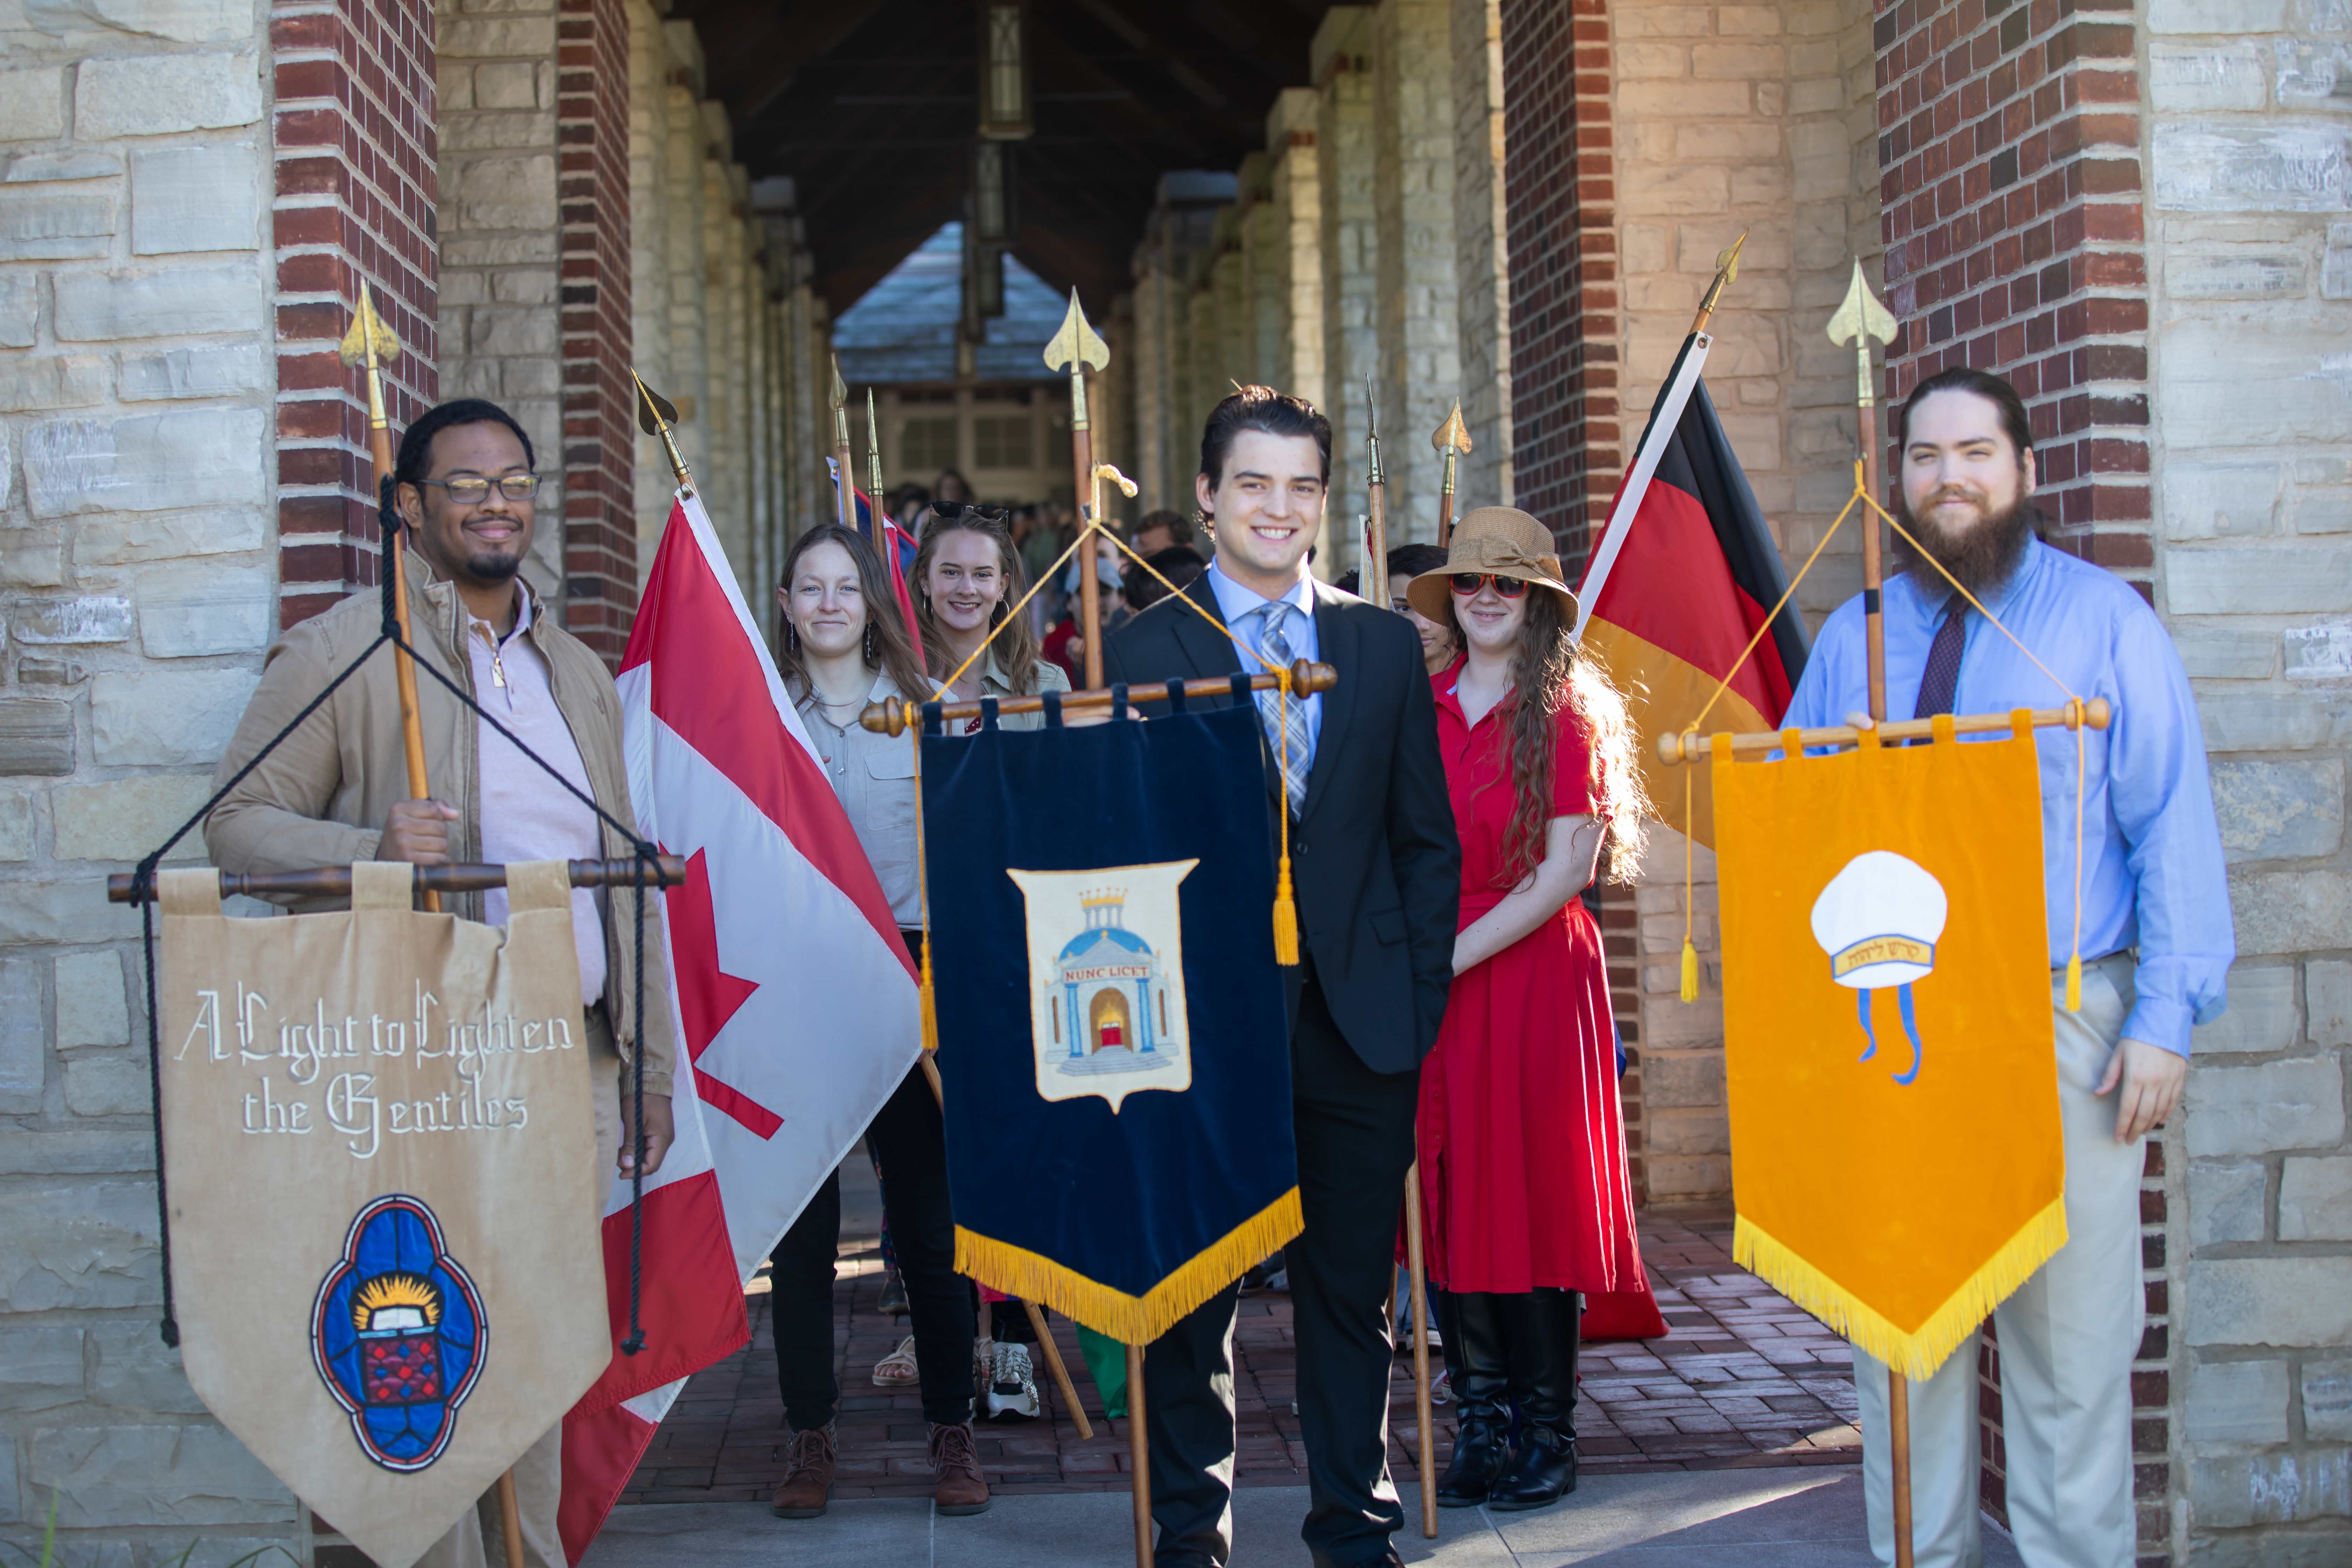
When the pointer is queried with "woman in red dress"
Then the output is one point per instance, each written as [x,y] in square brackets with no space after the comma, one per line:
[1522,1140]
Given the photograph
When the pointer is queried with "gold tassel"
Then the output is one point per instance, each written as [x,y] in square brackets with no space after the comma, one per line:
[2075,983]
[1690,971]
[1286,919]
[931,1003]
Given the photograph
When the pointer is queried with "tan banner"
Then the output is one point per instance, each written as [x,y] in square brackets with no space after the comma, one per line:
[384,1193]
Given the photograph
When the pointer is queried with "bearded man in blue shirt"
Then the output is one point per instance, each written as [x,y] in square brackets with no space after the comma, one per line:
[2156,942]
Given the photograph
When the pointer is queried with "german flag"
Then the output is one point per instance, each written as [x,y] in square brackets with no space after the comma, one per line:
[1684,575]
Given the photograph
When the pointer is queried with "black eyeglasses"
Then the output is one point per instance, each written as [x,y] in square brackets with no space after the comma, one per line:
[1467,583]
[472,490]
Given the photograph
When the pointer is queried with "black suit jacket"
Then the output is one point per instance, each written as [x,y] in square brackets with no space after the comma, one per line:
[1375,862]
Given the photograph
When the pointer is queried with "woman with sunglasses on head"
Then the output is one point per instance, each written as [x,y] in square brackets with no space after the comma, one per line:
[1522,1140]
[845,646]
[967,575]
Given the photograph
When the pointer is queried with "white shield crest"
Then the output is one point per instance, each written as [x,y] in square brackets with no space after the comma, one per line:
[1106,980]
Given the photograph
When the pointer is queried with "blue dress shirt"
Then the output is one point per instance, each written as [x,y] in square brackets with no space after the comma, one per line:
[1234,602]
[2153,873]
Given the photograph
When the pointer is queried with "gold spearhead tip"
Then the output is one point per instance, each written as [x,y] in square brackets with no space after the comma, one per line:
[1450,436]
[1861,315]
[368,331]
[840,394]
[1077,342]
[1727,268]
[655,411]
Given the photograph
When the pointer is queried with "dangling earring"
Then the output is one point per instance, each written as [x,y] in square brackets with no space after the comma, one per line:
[869,642]
[793,633]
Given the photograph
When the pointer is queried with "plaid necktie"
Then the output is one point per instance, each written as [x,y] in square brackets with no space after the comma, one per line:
[1941,682]
[1280,717]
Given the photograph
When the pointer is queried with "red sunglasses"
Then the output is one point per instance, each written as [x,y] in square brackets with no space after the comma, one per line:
[1466,584]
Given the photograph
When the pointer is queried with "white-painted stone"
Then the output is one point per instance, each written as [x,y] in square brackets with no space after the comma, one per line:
[186,613]
[2292,1104]
[62,910]
[176,1474]
[83,164]
[124,819]
[2315,1198]
[2191,78]
[2226,1202]
[2204,275]
[90,1244]
[130,1368]
[22,1030]
[195,198]
[215,370]
[2329,984]
[2292,167]
[2328,510]
[150,463]
[16,824]
[2312,74]
[512,193]
[164,718]
[20,301]
[2229,1491]
[2237,1402]
[2230,19]
[33,558]
[95,307]
[153,95]
[113,1084]
[115,542]
[2210,653]
[92,1005]
[91,618]
[2286,1301]
[2314,721]
[32,104]
[2319,653]
[2327,1399]
[44,1367]
[181,21]
[50,224]
[2290,911]
[2257,582]
[51,382]
[2279,811]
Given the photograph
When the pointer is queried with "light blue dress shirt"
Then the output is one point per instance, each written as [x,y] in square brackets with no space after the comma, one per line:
[2153,873]
[1234,602]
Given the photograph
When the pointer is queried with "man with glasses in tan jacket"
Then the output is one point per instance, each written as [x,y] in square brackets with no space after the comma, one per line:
[336,790]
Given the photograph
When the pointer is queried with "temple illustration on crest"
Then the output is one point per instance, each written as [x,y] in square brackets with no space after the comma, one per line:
[1108,996]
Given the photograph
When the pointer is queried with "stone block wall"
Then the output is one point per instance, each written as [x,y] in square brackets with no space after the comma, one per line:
[1341,67]
[1482,279]
[1419,330]
[2249,226]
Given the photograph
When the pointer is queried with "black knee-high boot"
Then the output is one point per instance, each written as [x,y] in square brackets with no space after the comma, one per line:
[1541,1331]
[1474,1351]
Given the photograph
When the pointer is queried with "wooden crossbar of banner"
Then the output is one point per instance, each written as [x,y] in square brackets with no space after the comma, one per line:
[895,716]
[335,881]
[1677,747]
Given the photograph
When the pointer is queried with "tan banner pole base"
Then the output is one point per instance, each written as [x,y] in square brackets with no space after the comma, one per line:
[510,1519]
[1898,1429]
[1139,1448]
[1053,1354]
[1418,1278]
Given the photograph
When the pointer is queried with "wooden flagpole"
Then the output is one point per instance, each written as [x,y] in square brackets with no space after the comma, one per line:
[1076,346]
[1859,320]
[370,343]
[1417,1279]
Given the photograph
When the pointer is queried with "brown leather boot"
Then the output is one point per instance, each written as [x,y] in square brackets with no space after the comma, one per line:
[962,1490]
[808,1475]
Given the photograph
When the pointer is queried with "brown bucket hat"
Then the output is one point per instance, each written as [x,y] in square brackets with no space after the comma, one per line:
[1502,540]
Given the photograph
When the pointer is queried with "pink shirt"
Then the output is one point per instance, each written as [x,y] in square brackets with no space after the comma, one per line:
[527,815]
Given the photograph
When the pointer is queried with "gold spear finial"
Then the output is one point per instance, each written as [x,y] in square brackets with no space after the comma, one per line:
[1726,268]
[654,416]
[1860,320]
[1452,439]
[1373,429]
[840,396]
[370,342]
[873,456]
[1452,436]
[1076,345]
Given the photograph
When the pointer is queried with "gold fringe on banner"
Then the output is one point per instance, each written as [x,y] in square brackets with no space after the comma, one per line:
[1130,1320]
[1921,1351]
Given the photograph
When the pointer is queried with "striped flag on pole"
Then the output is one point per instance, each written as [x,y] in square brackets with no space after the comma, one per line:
[796,1000]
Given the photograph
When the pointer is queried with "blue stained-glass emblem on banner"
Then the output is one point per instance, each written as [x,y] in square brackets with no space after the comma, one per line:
[398,1334]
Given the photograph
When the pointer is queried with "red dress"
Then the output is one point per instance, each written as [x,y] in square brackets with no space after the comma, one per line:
[1522,1139]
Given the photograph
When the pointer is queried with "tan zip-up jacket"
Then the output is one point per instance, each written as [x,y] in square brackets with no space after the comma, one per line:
[321,798]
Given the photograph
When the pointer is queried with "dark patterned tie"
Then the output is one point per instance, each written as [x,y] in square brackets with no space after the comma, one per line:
[1942,680]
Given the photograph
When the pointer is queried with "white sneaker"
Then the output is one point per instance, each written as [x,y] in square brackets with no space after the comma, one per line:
[1013,1390]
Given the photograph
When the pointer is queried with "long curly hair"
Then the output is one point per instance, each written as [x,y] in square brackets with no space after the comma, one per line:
[889,650]
[1016,645]
[1548,673]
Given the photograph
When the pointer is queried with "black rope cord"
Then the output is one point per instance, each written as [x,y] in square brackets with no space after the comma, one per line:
[144,891]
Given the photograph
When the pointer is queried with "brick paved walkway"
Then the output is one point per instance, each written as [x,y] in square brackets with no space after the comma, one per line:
[1743,1379]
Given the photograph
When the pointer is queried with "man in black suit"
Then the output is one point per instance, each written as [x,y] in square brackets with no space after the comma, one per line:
[1377,870]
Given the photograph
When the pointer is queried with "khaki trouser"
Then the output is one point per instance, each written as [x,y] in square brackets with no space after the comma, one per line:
[2068,1340]
[479,1539]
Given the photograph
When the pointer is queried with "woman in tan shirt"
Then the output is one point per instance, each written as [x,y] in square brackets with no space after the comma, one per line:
[845,646]
[967,575]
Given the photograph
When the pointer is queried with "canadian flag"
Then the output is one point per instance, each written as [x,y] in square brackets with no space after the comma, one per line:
[795,999]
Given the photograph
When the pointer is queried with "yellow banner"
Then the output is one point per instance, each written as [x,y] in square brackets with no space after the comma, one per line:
[1896,1147]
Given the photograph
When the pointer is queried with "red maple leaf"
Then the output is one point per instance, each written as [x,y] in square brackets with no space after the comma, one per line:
[708,996]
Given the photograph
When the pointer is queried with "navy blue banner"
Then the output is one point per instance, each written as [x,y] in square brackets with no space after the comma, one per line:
[1111,1019]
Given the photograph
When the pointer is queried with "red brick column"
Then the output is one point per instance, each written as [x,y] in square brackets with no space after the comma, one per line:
[2008,150]
[353,137]
[1559,192]
[600,524]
